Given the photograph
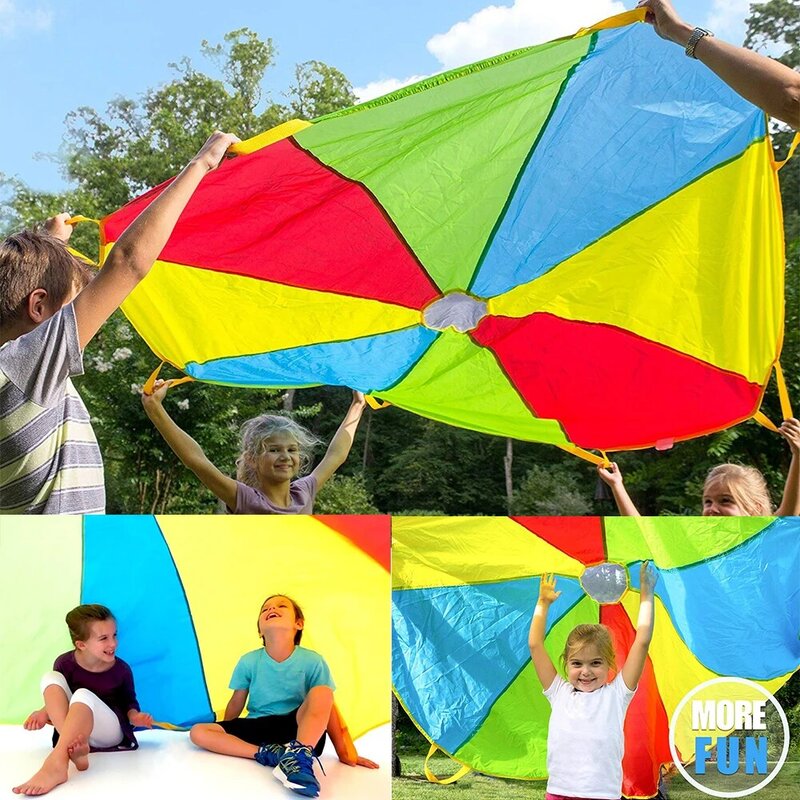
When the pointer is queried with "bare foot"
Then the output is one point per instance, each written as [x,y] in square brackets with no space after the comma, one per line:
[51,774]
[79,752]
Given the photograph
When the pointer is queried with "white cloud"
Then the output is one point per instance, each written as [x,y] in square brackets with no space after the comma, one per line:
[382,87]
[496,29]
[13,19]
[726,18]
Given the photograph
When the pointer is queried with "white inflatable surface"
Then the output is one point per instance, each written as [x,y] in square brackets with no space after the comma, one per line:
[168,765]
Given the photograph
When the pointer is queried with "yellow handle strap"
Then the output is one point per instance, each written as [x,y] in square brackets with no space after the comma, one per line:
[600,461]
[150,383]
[373,402]
[80,218]
[442,781]
[762,419]
[783,396]
[617,21]
[282,131]
[168,726]
[783,392]
[795,142]
[80,256]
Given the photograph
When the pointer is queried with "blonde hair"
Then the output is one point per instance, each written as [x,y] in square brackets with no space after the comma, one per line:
[255,433]
[746,485]
[597,635]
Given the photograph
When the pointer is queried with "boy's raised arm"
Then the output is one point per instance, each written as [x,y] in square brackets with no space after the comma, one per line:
[540,657]
[143,240]
[634,664]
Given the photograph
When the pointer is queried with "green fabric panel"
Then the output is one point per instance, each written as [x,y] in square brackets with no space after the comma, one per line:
[512,742]
[443,156]
[460,383]
[677,541]
[42,562]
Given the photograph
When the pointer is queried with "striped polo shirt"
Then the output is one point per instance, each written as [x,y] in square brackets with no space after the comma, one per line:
[49,459]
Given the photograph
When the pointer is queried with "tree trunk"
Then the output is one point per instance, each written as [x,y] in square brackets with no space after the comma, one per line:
[288,400]
[508,460]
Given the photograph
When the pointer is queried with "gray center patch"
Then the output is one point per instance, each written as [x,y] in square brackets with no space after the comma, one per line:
[456,310]
[605,583]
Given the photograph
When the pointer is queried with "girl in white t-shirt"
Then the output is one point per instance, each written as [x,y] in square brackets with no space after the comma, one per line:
[584,740]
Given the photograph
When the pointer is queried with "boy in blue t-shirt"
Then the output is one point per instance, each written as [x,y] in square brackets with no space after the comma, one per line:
[288,691]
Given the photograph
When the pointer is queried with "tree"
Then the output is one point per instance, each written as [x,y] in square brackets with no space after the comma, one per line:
[114,155]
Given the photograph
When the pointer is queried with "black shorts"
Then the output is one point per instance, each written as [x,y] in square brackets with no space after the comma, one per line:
[277,729]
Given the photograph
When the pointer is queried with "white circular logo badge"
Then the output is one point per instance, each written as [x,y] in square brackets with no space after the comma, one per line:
[723,728]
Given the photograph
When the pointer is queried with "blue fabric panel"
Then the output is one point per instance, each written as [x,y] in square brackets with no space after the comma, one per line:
[754,589]
[637,121]
[367,364]
[455,649]
[128,567]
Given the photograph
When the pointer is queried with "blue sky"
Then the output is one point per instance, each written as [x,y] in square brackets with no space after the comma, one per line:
[56,56]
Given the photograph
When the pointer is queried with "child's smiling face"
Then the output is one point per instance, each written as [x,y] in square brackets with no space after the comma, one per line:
[718,500]
[100,646]
[280,458]
[587,670]
[277,614]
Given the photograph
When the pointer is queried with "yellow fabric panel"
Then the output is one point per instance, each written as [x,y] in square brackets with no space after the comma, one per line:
[258,315]
[343,592]
[282,131]
[677,670]
[451,551]
[42,562]
[713,286]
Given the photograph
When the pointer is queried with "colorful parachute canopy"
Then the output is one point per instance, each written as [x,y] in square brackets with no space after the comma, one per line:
[464,593]
[575,243]
[186,592]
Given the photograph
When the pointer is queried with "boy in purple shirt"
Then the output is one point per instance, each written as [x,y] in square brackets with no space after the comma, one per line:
[89,699]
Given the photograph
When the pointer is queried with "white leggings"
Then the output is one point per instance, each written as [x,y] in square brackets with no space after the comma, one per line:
[106,730]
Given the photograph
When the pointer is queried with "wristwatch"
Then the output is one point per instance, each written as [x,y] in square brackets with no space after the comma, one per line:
[697,35]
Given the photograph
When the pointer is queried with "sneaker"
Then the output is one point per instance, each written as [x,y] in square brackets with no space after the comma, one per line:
[269,755]
[295,770]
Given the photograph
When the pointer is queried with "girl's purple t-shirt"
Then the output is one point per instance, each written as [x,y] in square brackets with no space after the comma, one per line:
[302,494]
[114,687]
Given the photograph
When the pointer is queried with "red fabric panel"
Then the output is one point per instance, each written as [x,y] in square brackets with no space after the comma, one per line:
[578,537]
[371,534]
[646,724]
[279,215]
[612,389]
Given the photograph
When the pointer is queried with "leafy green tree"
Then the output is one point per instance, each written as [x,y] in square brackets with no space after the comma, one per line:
[109,158]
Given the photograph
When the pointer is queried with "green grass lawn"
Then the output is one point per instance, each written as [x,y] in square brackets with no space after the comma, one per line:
[414,786]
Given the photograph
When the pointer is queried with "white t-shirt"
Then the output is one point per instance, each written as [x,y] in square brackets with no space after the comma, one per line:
[584,741]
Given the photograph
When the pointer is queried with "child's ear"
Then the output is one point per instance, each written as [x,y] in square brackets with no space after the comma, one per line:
[301,623]
[79,645]
[37,306]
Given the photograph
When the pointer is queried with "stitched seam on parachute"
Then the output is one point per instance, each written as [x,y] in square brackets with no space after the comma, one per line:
[189,614]
[520,174]
[642,211]
[380,209]
[438,80]
[521,670]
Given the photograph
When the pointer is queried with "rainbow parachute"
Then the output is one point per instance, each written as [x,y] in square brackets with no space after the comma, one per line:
[465,590]
[576,243]
[186,593]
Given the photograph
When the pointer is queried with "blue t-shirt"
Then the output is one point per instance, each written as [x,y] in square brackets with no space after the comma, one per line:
[278,687]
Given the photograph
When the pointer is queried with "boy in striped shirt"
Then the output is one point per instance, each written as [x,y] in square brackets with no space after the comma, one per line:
[50,308]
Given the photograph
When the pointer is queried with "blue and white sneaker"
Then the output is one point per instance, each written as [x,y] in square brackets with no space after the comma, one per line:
[269,755]
[295,770]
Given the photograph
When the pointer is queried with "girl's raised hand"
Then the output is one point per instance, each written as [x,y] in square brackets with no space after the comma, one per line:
[647,579]
[610,474]
[547,589]
[790,430]
[358,398]
[36,721]
[156,397]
